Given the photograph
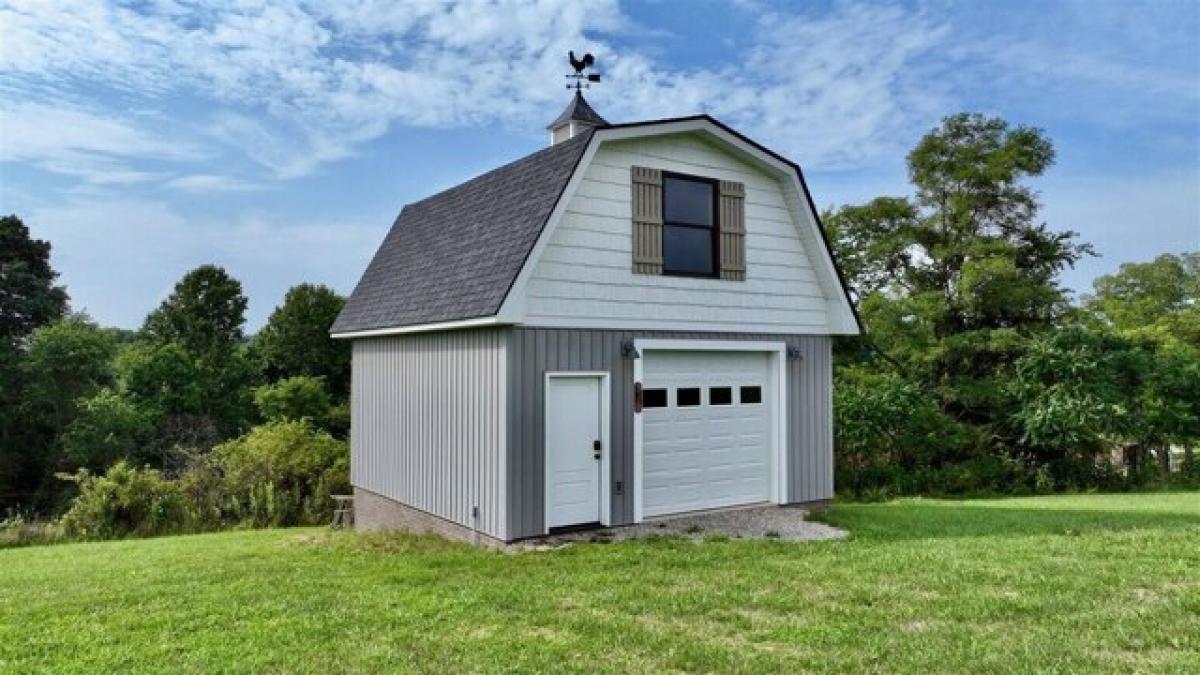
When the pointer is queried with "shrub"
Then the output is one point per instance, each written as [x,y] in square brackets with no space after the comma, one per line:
[110,426]
[891,436]
[294,398]
[282,473]
[178,440]
[1075,390]
[203,487]
[278,474]
[125,501]
[338,422]
[1189,470]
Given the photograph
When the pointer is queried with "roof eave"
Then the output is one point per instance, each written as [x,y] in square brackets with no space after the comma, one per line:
[457,324]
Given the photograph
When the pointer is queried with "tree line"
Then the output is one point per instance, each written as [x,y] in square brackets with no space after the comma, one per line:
[78,399]
[978,372]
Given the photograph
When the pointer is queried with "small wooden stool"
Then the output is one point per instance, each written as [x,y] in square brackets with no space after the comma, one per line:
[343,511]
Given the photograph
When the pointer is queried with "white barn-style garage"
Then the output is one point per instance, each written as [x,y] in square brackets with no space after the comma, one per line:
[632,323]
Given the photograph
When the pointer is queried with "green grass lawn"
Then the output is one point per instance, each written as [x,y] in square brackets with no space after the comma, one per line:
[1067,584]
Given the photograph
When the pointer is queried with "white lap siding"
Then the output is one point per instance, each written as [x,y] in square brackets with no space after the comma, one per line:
[429,424]
[584,277]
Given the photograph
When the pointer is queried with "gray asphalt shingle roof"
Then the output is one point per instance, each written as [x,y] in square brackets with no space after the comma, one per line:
[454,255]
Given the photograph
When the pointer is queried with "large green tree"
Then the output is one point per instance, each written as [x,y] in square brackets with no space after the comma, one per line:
[954,280]
[205,314]
[166,407]
[29,298]
[1160,297]
[163,378]
[295,341]
[64,361]
[1076,391]
[967,249]
[1156,304]
[60,363]
[1170,402]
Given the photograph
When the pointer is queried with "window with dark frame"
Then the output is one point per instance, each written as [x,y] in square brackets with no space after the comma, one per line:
[720,395]
[687,397]
[750,395]
[690,227]
[654,398]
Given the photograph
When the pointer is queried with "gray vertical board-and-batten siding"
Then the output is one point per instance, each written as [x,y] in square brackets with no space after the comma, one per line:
[534,351]
[447,421]
[428,423]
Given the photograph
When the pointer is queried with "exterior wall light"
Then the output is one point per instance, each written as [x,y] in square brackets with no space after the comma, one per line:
[628,351]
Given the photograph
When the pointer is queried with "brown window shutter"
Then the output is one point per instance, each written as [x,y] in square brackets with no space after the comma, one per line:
[647,221]
[733,231]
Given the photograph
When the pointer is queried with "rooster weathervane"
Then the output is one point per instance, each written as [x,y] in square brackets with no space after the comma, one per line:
[582,80]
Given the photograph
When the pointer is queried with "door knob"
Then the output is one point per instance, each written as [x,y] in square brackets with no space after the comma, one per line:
[596,449]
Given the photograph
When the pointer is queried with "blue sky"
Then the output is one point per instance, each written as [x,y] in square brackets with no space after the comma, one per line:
[279,140]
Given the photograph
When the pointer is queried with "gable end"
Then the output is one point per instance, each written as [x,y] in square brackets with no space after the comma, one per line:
[595,264]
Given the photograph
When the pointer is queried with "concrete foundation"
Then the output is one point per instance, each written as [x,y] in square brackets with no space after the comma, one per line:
[376,513]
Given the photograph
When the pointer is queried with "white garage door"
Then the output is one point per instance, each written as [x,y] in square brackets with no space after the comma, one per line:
[705,430]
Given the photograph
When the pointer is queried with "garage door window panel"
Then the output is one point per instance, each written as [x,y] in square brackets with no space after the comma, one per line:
[750,395]
[654,398]
[687,397]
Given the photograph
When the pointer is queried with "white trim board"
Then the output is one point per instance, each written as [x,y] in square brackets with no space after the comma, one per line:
[641,325]
[605,442]
[513,307]
[777,368]
[421,328]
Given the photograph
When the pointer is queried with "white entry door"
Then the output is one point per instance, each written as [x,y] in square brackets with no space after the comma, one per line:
[706,430]
[574,449]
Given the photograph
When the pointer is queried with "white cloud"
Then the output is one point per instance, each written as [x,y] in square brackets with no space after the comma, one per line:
[206,182]
[843,89]
[298,84]
[90,145]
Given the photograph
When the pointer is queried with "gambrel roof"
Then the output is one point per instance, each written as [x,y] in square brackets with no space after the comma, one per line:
[453,259]
[454,255]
